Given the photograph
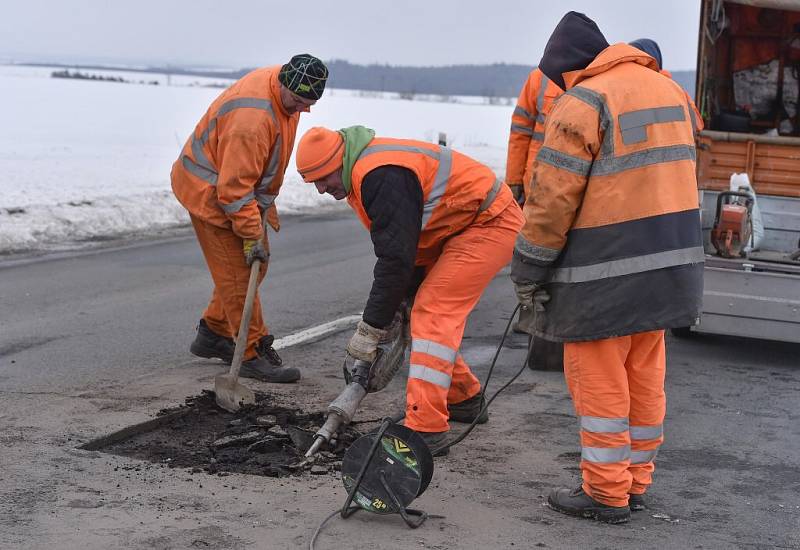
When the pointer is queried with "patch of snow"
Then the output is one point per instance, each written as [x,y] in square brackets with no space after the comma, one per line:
[88,160]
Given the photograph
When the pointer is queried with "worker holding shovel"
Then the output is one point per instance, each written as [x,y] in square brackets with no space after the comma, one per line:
[228,176]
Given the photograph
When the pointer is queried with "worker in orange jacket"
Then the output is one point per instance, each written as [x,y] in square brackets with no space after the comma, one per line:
[651,48]
[527,131]
[435,214]
[611,254]
[524,141]
[228,176]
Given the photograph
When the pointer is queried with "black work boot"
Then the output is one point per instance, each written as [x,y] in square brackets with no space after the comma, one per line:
[265,350]
[467,410]
[261,369]
[577,503]
[211,345]
[434,440]
[267,365]
[637,502]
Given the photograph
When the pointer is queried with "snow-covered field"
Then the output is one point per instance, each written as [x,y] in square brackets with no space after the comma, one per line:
[82,161]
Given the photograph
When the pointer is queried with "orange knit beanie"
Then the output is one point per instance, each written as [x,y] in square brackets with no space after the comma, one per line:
[319,153]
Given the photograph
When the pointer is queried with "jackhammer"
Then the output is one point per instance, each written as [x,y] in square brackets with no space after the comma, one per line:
[363,378]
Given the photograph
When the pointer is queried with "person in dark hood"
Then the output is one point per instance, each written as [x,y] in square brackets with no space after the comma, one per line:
[611,254]
[575,42]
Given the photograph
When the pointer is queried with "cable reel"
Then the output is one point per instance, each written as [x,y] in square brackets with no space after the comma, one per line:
[384,471]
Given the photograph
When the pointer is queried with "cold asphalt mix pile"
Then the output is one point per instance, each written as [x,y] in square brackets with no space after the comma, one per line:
[93,344]
[263,439]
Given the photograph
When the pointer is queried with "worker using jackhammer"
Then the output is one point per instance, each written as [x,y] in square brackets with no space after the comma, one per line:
[612,252]
[428,209]
[524,141]
[228,176]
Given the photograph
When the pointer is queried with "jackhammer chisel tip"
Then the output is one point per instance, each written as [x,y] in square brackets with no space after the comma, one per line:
[318,441]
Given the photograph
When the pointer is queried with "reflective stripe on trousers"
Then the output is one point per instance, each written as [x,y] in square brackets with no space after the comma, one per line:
[637,434]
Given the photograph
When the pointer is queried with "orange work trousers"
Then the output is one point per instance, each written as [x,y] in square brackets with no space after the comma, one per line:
[617,386]
[438,374]
[222,249]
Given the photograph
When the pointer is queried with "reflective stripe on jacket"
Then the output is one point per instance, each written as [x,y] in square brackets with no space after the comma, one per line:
[457,190]
[527,127]
[234,161]
[696,117]
[612,222]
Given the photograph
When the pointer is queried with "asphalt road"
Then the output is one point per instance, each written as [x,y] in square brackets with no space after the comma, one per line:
[90,343]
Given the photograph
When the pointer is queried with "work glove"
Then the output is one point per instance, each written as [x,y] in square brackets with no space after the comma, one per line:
[531,296]
[364,343]
[518,191]
[254,250]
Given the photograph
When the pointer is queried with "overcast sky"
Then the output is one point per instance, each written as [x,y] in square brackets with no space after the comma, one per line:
[239,33]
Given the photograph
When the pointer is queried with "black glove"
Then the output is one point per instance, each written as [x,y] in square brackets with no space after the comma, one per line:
[518,191]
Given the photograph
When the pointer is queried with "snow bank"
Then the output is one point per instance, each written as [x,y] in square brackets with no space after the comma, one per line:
[89,160]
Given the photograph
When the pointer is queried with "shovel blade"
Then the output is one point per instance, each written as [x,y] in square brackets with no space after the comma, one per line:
[230,394]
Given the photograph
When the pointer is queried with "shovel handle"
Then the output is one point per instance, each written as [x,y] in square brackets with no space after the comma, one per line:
[247,312]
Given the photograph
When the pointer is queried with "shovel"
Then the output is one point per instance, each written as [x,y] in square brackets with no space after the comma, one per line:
[230,394]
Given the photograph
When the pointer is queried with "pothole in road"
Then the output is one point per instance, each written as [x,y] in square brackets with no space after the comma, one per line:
[262,439]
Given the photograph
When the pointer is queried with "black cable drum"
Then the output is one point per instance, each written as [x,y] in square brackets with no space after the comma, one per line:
[402,459]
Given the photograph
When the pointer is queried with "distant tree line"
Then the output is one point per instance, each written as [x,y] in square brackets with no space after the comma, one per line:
[86,76]
[498,80]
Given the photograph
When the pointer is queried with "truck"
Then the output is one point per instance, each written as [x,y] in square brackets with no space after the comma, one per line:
[748,94]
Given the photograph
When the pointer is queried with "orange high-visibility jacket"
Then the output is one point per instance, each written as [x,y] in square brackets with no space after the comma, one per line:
[527,127]
[457,190]
[612,222]
[697,119]
[232,166]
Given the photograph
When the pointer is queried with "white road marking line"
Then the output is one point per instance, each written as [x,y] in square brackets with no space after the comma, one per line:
[317,332]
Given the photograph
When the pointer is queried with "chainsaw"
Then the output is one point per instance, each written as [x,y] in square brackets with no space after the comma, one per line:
[733,224]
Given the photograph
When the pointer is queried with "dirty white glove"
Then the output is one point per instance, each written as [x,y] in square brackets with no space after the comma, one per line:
[525,294]
[540,298]
[364,343]
[531,296]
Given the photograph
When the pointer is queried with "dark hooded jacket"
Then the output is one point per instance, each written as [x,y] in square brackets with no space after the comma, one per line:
[575,42]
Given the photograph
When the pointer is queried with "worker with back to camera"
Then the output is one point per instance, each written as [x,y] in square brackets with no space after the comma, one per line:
[432,211]
[228,176]
[611,254]
[535,101]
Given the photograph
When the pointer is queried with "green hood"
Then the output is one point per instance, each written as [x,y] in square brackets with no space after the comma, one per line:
[356,139]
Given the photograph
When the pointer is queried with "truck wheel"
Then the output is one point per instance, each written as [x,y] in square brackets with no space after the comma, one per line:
[682,332]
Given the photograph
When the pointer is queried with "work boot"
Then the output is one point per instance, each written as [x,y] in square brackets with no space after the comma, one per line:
[577,503]
[265,350]
[434,440]
[211,345]
[637,502]
[261,369]
[467,410]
